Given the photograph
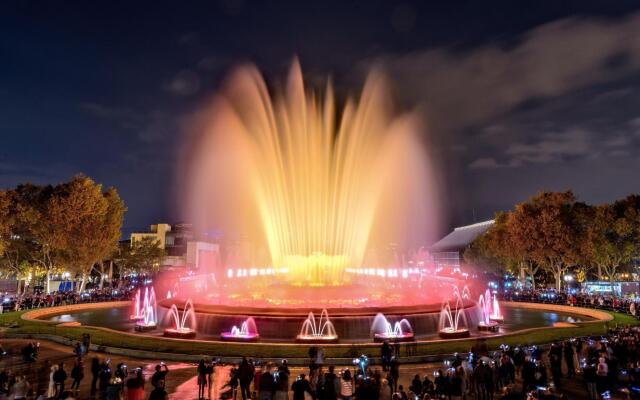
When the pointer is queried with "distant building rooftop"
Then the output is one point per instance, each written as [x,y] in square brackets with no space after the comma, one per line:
[461,237]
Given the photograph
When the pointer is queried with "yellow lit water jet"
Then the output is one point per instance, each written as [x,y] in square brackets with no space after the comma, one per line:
[309,179]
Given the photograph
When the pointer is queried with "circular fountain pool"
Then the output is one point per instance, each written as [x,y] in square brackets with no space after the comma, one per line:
[349,327]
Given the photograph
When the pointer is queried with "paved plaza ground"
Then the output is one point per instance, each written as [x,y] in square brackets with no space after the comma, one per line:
[181,381]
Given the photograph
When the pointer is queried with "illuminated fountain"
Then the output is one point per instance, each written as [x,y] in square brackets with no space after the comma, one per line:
[453,322]
[137,313]
[496,312]
[323,331]
[382,329]
[181,330]
[300,185]
[149,316]
[485,305]
[312,183]
[246,333]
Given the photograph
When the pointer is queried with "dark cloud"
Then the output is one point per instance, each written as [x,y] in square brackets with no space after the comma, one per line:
[462,88]
[185,83]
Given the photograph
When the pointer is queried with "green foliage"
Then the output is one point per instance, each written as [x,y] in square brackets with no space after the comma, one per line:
[72,225]
[141,256]
[553,232]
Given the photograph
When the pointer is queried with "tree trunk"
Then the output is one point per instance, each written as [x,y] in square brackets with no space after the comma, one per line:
[101,275]
[523,275]
[558,276]
[599,273]
[111,272]
[611,273]
[47,285]
[533,281]
[83,282]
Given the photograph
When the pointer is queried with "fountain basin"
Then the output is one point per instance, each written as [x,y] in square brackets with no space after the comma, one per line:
[449,333]
[234,337]
[184,333]
[404,337]
[142,327]
[491,326]
[316,339]
[497,318]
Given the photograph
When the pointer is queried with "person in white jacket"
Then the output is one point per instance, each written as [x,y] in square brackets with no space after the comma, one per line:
[51,391]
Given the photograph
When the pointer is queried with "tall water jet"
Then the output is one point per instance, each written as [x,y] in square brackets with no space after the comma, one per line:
[314,183]
[247,332]
[149,319]
[180,328]
[322,331]
[453,321]
[382,329]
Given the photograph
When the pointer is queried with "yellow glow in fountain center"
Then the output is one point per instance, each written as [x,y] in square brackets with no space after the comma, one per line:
[317,269]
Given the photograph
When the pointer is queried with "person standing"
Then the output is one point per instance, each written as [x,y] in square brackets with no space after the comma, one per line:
[568,357]
[21,388]
[202,378]
[330,390]
[385,354]
[591,378]
[266,385]
[104,377]
[394,372]
[245,376]
[51,390]
[58,379]
[346,385]
[301,388]
[95,373]
[158,393]
[282,383]
[160,375]
[77,374]
[135,386]
[211,366]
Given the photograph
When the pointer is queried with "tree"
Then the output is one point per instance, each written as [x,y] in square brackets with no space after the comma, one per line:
[5,220]
[31,236]
[141,256]
[613,235]
[549,225]
[86,223]
[504,244]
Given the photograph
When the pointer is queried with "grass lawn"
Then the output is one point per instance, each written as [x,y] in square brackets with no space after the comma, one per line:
[13,324]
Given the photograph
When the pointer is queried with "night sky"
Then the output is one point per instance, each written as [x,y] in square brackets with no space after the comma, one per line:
[518,96]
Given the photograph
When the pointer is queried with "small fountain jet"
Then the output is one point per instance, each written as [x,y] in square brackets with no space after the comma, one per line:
[384,330]
[485,305]
[246,333]
[181,330]
[323,331]
[453,322]
[149,316]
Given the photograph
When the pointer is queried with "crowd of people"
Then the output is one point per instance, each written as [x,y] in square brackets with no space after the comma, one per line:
[608,365]
[60,381]
[27,301]
[624,304]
